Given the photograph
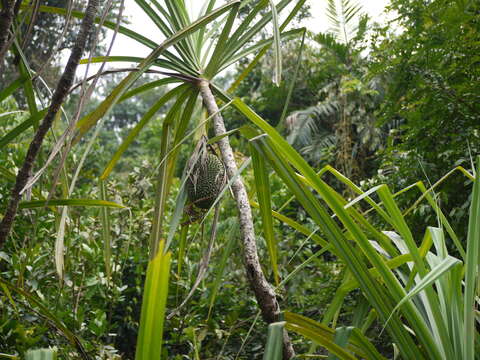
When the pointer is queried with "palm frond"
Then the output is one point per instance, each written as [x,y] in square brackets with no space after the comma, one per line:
[361,28]
[342,14]
[329,42]
[318,120]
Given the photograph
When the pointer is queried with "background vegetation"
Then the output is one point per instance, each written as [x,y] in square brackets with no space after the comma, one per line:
[393,104]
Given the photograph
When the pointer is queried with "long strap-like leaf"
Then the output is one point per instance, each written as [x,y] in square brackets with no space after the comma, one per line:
[105,107]
[472,275]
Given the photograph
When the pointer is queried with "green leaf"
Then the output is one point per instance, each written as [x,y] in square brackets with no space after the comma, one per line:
[262,45]
[292,82]
[433,275]
[231,239]
[22,127]
[67,202]
[107,239]
[118,58]
[279,151]
[242,36]
[277,46]
[218,53]
[108,24]
[166,30]
[177,214]
[262,187]
[149,86]
[41,354]
[401,226]
[325,336]
[164,176]
[178,18]
[105,107]
[207,8]
[10,89]
[264,50]
[25,73]
[316,332]
[47,314]
[150,335]
[472,265]
[137,128]
[273,348]
[181,251]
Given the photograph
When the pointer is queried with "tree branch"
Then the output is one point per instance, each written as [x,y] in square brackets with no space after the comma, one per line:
[264,292]
[59,96]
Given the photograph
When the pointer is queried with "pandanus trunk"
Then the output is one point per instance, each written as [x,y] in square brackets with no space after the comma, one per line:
[264,292]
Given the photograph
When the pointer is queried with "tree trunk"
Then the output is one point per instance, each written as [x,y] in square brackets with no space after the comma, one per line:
[59,96]
[264,292]
[6,18]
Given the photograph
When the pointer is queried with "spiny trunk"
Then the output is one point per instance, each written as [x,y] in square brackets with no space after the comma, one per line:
[264,292]
[59,96]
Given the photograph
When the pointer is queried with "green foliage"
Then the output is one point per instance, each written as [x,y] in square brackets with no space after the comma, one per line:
[440,337]
[431,78]
[341,127]
[80,282]
[353,271]
[41,354]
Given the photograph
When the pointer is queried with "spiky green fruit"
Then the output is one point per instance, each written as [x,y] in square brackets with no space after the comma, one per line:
[205,181]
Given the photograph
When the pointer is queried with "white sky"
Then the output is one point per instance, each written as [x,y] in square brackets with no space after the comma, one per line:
[142,24]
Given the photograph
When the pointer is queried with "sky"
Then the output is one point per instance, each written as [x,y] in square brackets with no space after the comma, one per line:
[142,24]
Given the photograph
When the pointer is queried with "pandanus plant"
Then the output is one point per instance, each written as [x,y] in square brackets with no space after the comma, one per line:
[426,298]
[193,53]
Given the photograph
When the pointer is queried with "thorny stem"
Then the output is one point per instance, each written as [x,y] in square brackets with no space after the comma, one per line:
[264,292]
[59,96]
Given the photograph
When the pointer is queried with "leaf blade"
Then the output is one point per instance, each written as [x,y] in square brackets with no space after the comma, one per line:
[68,202]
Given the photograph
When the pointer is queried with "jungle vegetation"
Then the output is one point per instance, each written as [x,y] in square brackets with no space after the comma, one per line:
[250,189]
